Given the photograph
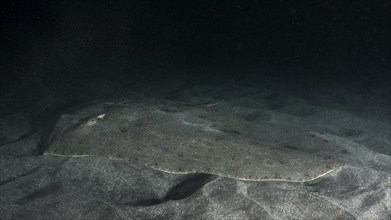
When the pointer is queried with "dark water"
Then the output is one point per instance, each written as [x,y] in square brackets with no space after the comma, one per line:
[322,51]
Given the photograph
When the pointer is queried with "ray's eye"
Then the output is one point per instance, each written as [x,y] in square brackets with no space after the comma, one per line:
[91,122]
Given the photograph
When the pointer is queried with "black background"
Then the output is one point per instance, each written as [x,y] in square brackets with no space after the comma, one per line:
[47,43]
